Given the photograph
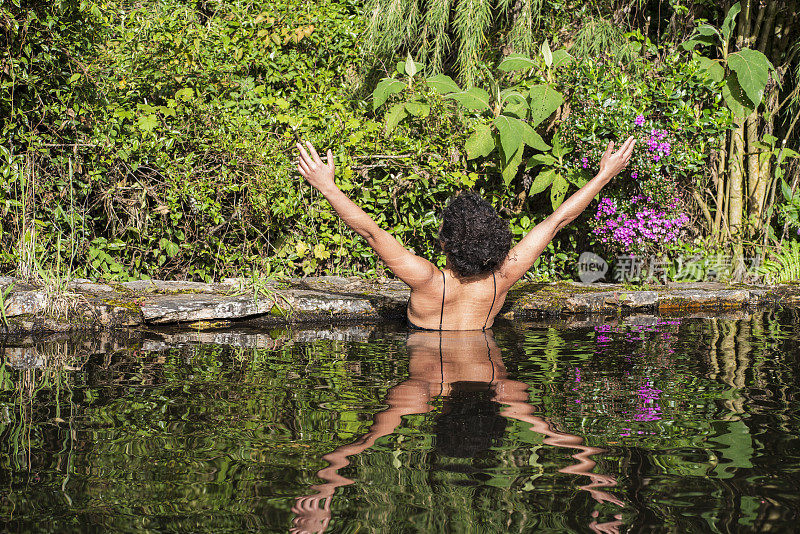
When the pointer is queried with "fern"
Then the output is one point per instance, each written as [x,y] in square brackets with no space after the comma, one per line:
[436,40]
[472,20]
[783,266]
[521,36]
[599,36]
[448,33]
[789,211]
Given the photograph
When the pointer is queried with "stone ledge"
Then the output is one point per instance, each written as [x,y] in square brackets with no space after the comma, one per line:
[331,299]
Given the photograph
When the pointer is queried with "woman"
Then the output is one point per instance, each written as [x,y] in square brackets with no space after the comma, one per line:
[469,292]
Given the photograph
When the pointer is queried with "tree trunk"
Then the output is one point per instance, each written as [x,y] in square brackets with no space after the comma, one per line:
[736,201]
[756,182]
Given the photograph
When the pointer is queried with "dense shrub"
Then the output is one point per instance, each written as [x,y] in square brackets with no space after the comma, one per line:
[673,112]
[156,138]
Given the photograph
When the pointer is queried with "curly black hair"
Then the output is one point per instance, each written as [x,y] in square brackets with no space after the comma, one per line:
[473,235]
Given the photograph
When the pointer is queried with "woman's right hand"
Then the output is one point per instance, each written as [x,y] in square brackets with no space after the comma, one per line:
[310,165]
[613,162]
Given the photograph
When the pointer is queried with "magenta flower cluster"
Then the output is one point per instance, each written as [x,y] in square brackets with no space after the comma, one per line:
[657,145]
[643,226]
[639,120]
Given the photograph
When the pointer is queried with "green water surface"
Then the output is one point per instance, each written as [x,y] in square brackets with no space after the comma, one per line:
[638,425]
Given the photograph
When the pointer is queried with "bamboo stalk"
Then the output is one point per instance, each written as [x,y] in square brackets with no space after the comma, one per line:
[736,171]
[703,207]
[767,30]
[757,25]
[756,183]
[720,197]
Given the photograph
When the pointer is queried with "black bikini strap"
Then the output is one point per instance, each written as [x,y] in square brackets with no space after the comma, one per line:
[441,364]
[441,313]
[494,296]
[489,355]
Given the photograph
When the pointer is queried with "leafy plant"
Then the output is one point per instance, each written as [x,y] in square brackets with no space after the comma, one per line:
[783,265]
[446,34]
[506,118]
[790,208]
[556,172]
[742,74]
[4,293]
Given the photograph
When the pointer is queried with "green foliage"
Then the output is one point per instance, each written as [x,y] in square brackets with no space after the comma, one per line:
[451,36]
[783,265]
[789,209]
[508,116]
[556,172]
[4,292]
[155,139]
[599,37]
[747,69]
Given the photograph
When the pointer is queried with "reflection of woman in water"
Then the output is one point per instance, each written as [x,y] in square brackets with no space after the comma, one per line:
[469,292]
[454,366]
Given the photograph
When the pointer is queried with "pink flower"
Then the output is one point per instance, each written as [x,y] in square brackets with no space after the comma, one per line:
[639,120]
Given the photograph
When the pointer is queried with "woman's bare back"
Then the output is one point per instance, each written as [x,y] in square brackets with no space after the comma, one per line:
[469,303]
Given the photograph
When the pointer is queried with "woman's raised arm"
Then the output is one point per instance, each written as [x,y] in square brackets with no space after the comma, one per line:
[409,268]
[522,256]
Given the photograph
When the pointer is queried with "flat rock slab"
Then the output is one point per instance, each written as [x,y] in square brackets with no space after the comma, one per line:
[90,305]
[182,308]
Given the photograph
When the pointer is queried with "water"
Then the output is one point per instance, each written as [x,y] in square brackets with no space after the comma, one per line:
[645,424]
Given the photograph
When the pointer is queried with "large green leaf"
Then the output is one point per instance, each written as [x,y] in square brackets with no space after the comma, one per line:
[401,67]
[712,66]
[147,123]
[511,166]
[702,40]
[514,132]
[480,143]
[418,109]
[547,54]
[544,101]
[560,150]
[558,190]
[752,70]
[531,138]
[542,181]
[510,134]
[540,159]
[516,62]
[474,99]
[411,67]
[396,114]
[514,103]
[517,108]
[735,98]
[385,87]
[512,94]
[561,58]
[708,30]
[577,177]
[443,84]
[730,21]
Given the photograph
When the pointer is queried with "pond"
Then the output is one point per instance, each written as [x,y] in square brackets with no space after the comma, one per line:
[636,424]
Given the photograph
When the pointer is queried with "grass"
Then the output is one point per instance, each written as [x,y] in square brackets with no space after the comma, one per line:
[3,296]
[262,287]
